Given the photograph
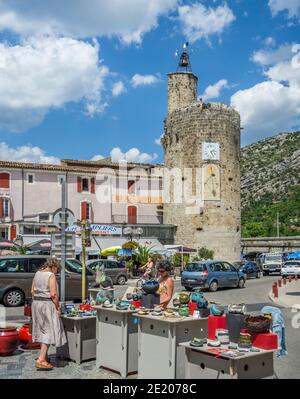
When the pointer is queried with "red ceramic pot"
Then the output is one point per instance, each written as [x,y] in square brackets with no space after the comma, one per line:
[9,338]
[24,334]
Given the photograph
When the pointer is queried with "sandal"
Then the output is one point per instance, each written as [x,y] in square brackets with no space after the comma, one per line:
[43,365]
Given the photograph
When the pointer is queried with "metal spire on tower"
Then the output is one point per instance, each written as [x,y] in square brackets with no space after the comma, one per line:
[184,62]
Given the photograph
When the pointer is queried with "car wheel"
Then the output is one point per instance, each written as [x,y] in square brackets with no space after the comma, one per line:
[241,283]
[258,275]
[188,289]
[121,280]
[213,286]
[13,298]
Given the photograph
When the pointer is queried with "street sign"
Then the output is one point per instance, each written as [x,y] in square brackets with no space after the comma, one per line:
[57,218]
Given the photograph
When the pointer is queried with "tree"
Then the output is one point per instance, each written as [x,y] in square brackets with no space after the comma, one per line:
[21,250]
[205,253]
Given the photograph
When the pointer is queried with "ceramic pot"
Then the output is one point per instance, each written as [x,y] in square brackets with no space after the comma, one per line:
[184,298]
[9,338]
[176,302]
[150,287]
[195,296]
[24,334]
[202,303]
[27,309]
[184,311]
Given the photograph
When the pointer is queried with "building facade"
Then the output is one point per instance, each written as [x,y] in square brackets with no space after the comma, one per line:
[101,191]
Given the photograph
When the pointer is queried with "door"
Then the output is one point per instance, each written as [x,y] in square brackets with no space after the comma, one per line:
[230,275]
[132,215]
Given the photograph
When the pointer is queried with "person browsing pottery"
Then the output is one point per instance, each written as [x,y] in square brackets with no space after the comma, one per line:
[47,327]
[149,268]
[166,283]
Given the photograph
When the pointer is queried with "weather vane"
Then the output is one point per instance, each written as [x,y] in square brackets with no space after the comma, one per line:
[184,62]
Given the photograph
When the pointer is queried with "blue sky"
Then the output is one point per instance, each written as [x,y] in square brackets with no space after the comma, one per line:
[82,81]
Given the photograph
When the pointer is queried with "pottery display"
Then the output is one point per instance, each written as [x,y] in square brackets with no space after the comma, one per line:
[217,310]
[176,302]
[9,338]
[222,335]
[202,303]
[184,298]
[258,324]
[237,309]
[136,296]
[195,296]
[184,311]
[150,287]
[245,341]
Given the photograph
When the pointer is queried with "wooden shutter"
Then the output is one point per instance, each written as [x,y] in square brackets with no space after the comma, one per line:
[13,233]
[132,215]
[4,180]
[93,185]
[79,184]
[1,208]
[83,210]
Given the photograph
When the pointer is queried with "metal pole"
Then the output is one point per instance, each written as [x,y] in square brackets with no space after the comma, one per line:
[83,241]
[63,240]
[277,224]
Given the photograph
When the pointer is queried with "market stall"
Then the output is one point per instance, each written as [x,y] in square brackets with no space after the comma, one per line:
[199,363]
[117,340]
[81,338]
[160,355]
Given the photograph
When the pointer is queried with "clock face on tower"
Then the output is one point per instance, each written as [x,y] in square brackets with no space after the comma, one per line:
[211,151]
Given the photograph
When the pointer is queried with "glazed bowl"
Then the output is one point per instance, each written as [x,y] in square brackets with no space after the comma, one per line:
[184,298]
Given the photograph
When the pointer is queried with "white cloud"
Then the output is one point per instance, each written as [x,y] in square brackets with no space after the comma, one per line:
[272,106]
[272,56]
[214,91]
[200,22]
[118,89]
[97,157]
[127,19]
[45,73]
[25,153]
[132,155]
[143,80]
[291,6]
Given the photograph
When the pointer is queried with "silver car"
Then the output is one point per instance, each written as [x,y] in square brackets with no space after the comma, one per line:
[17,272]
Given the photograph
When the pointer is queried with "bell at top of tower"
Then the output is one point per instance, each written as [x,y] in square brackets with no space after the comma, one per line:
[184,63]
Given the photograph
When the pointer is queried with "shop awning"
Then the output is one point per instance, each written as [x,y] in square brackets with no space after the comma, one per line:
[40,246]
[7,244]
[107,242]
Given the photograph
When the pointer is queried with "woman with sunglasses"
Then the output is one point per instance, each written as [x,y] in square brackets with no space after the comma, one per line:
[166,283]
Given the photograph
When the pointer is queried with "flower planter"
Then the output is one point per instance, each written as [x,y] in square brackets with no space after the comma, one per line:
[9,338]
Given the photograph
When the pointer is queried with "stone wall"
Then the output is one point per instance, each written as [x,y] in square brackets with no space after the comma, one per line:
[216,225]
[182,90]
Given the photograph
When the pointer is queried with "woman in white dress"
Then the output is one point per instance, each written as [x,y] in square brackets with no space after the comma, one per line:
[47,328]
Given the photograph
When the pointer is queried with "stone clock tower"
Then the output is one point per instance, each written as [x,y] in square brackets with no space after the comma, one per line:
[202,154]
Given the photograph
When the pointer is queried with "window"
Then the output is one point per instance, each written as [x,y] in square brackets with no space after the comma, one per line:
[131,187]
[86,210]
[226,267]
[6,206]
[30,178]
[13,265]
[4,233]
[4,180]
[35,264]
[195,267]
[132,215]
[217,267]
[44,217]
[111,265]
[85,185]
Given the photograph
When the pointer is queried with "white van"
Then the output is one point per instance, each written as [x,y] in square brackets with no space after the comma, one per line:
[272,263]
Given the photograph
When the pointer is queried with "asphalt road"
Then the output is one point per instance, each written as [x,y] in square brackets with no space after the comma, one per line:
[255,296]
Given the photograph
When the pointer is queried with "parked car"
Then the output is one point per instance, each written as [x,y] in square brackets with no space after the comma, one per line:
[117,271]
[17,272]
[291,268]
[251,269]
[272,263]
[251,256]
[212,275]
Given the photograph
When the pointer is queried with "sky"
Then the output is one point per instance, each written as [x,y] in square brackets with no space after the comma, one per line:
[87,80]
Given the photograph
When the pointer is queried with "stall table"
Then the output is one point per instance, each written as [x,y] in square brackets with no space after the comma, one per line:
[199,363]
[117,340]
[160,355]
[81,338]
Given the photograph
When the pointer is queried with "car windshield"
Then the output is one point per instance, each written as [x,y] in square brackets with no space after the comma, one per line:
[73,265]
[195,267]
[273,258]
[292,264]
